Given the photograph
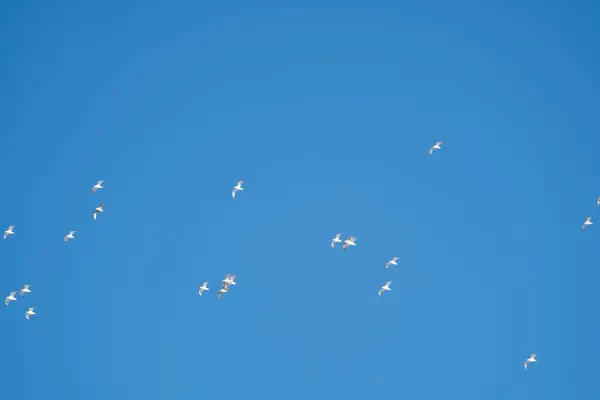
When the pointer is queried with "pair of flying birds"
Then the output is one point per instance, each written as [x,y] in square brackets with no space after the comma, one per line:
[225,283]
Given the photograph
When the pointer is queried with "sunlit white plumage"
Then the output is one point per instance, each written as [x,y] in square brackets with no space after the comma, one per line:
[437,146]
[26,289]
[393,261]
[598,201]
[229,280]
[98,186]
[98,209]
[10,297]
[530,360]
[203,288]
[335,240]
[224,288]
[70,236]
[588,221]
[9,231]
[29,313]
[349,242]
[385,287]
[237,188]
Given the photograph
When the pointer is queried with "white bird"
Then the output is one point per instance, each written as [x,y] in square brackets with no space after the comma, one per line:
[98,186]
[98,209]
[203,288]
[25,290]
[10,297]
[29,313]
[224,288]
[530,360]
[385,287]
[393,261]
[70,236]
[598,201]
[9,231]
[236,188]
[588,221]
[335,240]
[229,280]
[436,146]
[349,242]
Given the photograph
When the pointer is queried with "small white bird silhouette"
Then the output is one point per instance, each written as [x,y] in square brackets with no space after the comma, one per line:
[229,280]
[530,360]
[385,287]
[70,236]
[598,201]
[98,186]
[224,288]
[349,242]
[98,209]
[10,297]
[203,288]
[9,231]
[29,313]
[335,240]
[393,261]
[236,188]
[25,290]
[436,146]
[588,221]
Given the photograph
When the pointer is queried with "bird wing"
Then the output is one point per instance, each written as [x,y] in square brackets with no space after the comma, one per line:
[95,214]
[380,291]
[13,293]
[240,183]
[100,182]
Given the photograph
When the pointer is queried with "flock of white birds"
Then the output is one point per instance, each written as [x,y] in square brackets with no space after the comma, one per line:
[229,279]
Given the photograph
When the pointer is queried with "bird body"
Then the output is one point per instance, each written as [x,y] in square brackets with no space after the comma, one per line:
[437,146]
[335,240]
[385,287]
[98,209]
[98,186]
[349,242]
[203,288]
[26,289]
[588,221]
[237,188]
[9,231]
[393,261]
[70,236]
[530,360]
[29,313]
[9,298]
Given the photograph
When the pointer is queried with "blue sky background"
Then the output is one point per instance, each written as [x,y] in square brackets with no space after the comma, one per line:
[327,110]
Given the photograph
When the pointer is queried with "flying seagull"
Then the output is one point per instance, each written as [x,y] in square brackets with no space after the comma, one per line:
[588,221]
[393,261]
[229,280]
[9,231]
[335,240]
[349,242]
[98,209]
[203,288]
[385,287]
[29,313]
[436,146]
[530,360]
[224,288]
[10,297]
[25,290]
[70,235]
[236,188]
[98,186]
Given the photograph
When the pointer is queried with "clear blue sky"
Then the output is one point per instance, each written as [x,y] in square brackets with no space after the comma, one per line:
[327,110]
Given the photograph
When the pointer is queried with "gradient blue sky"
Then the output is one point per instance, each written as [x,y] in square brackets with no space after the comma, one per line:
[327,109]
